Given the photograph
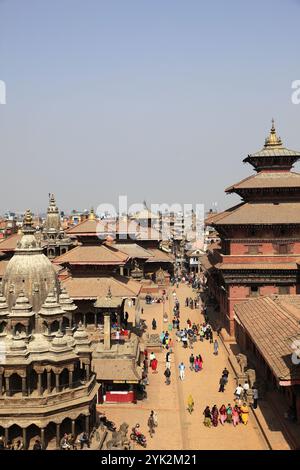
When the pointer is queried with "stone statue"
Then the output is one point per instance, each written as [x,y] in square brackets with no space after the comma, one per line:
[242,360]
[119,439]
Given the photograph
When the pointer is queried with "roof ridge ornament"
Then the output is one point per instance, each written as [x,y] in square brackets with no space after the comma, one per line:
[272,140]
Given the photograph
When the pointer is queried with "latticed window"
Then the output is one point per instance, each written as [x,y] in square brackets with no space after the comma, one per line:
[283,290]
[253,249]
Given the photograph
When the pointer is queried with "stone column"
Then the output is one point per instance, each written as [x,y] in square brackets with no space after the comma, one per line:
[6,435]
[107,332]
[40,390]
[58,435]
[57,382]
[49,381]
[73,427]
[24,438]
[87,424]
[70,379]
[7,387]
[1,384]
[95,320]
[122,270]
[43,438]
[24,386]
[87,371]
[84,319]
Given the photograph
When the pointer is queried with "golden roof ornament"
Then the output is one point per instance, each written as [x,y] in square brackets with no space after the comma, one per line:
[92,214]
[272,140]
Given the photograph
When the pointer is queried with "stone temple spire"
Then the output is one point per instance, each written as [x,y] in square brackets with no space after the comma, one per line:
[28,223]
[92,214]
[272,140]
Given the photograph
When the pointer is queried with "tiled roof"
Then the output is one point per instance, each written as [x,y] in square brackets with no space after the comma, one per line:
[285,179]
[10,243]
[92,255]
[87,227]
[261,214]
[117,369]
[92,287]
[275,152]
[273,327]
[132,250]
[3,265]
[158,256]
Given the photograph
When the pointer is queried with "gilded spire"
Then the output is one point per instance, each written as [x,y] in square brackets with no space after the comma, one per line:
[92,214]
[28,222]
[272,140]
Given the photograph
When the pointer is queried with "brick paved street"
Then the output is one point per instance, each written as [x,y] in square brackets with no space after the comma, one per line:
[177,429]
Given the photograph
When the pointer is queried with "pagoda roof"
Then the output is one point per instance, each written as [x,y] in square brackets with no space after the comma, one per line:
[257,213]
[87,227]
[273,148]
[90,288]
[93,255]
[133,250]
[276,179]
[159,256]
[273,325]
[257,266]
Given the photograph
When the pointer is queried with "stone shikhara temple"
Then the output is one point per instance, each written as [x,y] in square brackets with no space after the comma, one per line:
[46,382]
[259,250]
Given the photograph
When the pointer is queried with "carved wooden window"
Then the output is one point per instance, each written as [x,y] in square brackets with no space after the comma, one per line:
[253,250]
[254,291]
[283,249]
[283,290]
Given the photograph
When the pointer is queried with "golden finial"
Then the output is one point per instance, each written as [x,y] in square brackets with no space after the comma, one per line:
[273,140]
[92,214]
[27,220]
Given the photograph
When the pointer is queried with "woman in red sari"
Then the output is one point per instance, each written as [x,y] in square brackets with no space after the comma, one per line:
[154,365]
[223,414]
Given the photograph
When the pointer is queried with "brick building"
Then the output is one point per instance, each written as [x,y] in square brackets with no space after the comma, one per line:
[259,249]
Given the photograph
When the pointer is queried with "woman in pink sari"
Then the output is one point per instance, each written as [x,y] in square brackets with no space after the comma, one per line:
[223,414]
[235,416]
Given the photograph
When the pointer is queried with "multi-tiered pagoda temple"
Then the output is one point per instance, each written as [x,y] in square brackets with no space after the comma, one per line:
[259,250]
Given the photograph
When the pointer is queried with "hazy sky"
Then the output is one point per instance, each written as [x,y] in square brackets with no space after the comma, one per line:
[156,99]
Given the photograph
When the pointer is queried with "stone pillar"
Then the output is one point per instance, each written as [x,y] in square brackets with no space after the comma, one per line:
[1,384]
[87,424]
[57,383]
[43,438]
[6,435]
[70,379]
[84,319]
[7,387]
[58,435]
[95,320]
[87,371]
[73,427]
[40,390]
[107,332]
[24,386]
[122,270]
[24,438]
[49,381]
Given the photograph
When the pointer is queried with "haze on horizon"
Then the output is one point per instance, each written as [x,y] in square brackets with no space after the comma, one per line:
[156,100]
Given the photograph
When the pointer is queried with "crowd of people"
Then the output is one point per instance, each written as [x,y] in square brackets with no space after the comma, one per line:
[226,414]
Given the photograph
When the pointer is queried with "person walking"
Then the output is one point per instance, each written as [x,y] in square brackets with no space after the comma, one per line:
[244,413]
[207,417]
[190,404]
[154,364]
[245,391]
[255,397]
[192,360]
[222,383]
[229,413]
[181,371]
[167,374]
[151,424]
[154,325]
[238,392]
[223,414]
[216,347]
[235,416]
[215,416]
